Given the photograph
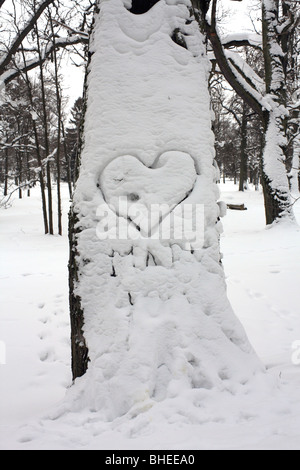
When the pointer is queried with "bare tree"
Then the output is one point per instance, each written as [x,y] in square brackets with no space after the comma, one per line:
[59,120]
[13,48]
[11,61]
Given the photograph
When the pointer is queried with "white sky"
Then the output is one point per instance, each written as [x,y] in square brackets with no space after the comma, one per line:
[239,13]
[73,80]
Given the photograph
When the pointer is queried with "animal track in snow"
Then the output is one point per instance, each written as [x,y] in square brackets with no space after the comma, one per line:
[48,355]
[253,294]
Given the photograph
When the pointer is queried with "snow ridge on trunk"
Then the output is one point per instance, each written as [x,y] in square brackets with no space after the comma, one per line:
[275,180]
[157,321]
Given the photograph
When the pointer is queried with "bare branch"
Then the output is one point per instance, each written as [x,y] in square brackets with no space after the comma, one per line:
[22,35]
[73,31]
[11,74]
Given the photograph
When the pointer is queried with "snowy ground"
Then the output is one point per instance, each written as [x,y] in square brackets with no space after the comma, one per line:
[262,269]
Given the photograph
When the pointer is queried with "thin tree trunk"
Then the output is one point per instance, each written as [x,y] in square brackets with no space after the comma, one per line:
[20,166]
[68,168]
[38,152]
[46,137]
[6,173]
[244,155]
[41,178]
[20,176]
[58,101]
[28,172]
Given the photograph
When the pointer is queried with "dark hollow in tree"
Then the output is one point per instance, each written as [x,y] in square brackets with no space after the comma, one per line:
[140,7]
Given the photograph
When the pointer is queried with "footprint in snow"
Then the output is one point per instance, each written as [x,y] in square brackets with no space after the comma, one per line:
[47,355]
[59,298]
[254,295]
[26,439]
[58,312]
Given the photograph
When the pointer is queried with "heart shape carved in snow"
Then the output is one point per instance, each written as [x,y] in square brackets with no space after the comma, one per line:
[133,191]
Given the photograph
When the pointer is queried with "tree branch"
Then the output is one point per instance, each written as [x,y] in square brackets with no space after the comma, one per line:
[246,72]
[229,73]
[71,30]
[22,35]
[11,74]
[241,40]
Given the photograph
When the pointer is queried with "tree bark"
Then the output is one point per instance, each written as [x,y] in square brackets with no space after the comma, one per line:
[59,119]
[6,173]
[244,155]
[38,153]
[79,348]
[46,137]
[67,160]
[274,176]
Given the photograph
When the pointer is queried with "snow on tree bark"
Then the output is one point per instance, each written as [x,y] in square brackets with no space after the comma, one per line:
[274,175]
[150,318]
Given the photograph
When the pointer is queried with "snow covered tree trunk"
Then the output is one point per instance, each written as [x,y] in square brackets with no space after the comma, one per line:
[274,175]
[149,311]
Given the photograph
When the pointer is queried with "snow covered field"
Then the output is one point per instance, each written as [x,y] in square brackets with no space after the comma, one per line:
[262,270]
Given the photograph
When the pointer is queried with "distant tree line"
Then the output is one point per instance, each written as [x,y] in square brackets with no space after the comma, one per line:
[30,155]
[38,140]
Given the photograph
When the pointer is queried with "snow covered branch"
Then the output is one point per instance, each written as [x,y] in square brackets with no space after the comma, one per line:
[242,39]
[4,201]
[291,22]
[14,142]
[246,71]
[19,69]
[13,48]
[243,87]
